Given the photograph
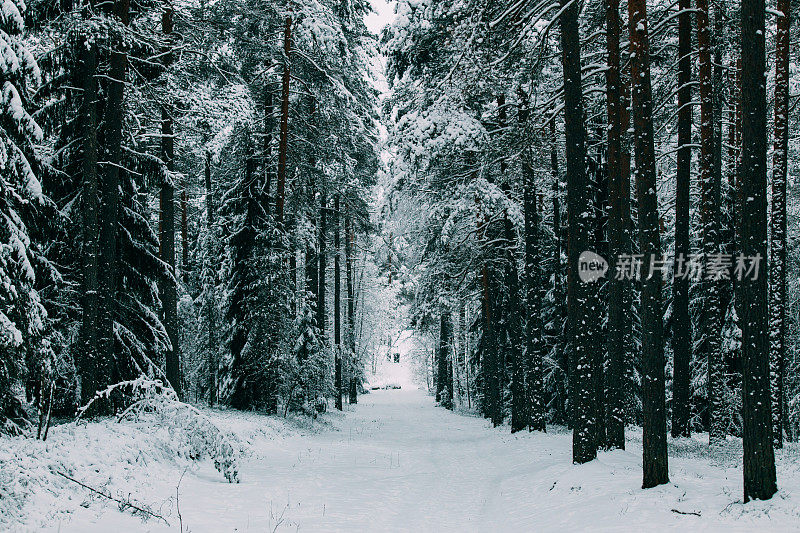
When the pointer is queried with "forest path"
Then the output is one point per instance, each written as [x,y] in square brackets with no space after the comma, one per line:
[397,462]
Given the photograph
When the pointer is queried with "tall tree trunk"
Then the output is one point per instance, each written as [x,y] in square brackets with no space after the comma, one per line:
[109,208]
[654,434]
[514,311]
[322,256]
[444,377]
[492,401]
[582,316]
[283,144]
[534,331]
[349,242]
[711,313]
[681,329]
[557,332]
[759,457]
[210,275]
[337,303]
[169,293]
[599,203]
[618,320]
[778,251]
[89,289]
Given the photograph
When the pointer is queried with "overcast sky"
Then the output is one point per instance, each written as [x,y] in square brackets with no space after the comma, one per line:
[384,13]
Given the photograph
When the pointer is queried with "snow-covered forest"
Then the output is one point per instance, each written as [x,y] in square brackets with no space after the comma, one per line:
[437,265]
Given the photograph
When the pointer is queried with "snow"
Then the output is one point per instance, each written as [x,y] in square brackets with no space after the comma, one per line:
[394,462]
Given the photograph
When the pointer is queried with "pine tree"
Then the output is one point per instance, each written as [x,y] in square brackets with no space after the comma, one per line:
[711,314]
[777,294]
[22,315]
[682,332]
[617,312]
[582,317]
[654,434]
[759,457]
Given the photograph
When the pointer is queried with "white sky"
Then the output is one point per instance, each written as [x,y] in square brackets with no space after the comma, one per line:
[383,15]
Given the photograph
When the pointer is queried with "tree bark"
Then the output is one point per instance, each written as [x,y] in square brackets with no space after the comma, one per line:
[582,316]
[169,293]
[654,434]
[618,321]
[89,289]
[777,293]
[337,304]
[444,376]
[681,329]
[349,243]
[283,145]
[533,328]
[109,207]
[210,309]
[711,313]
[759,456]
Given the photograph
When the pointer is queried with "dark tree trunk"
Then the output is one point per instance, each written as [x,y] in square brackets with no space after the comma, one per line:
[514,310]
[618,321]
[711,313]
[600,245]
[169,293]
[534,331]
[681,328]
[557,332]
[322,256]
[337,304]
[89,289]
[444,374]
[109,208]
[210,310]
[581,315]
[778,251]
[654,435]
[349,242]
[283,145]
[759,457]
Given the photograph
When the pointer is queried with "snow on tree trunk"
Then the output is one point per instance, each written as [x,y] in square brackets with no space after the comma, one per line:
[777,294]
[582,316]
[654,430]
[682,325]
[759,457]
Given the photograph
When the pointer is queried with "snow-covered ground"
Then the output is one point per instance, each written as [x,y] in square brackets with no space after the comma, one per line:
[394,462]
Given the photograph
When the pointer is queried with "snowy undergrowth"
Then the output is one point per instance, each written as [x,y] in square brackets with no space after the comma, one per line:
[138,459]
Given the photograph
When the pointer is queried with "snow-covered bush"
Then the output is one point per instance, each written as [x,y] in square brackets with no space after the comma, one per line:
[197,437]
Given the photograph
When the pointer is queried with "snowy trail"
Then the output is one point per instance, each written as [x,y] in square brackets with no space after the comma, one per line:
[396,462]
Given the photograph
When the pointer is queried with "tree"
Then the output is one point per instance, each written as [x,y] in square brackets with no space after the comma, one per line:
[444,374]
[114,116]
[22,315]
[711,317]
[617,312]
[337,303]
[168,285]
[682,326]
[654,435]
[582,316]
[759,457]
[777,289]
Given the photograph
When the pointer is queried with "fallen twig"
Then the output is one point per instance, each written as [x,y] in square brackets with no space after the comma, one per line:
[123,504]
[694,513]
